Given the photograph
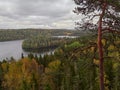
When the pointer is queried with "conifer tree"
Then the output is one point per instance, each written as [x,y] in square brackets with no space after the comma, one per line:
[108,14]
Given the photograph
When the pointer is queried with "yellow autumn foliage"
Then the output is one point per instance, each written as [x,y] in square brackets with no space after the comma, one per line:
[96,61]
[53,66]
[104,42]
[111,47]
[20,71]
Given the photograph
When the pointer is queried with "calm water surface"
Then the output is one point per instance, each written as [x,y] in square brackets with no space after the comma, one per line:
[10,49]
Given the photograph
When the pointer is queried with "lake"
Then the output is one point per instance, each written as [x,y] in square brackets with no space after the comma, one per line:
[66,36]
[10,49]
[14,49]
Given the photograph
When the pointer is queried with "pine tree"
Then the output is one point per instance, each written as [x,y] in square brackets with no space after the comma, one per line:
[108,14]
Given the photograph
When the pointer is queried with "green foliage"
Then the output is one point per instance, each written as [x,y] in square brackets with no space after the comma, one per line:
[73,66]
[74,45]
[18,34]
[43,43]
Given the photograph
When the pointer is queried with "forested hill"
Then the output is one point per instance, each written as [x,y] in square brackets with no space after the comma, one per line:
[74,66]
[18,34]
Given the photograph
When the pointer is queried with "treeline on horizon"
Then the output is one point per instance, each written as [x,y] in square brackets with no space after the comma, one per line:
[39,40]
[73,66]
[18,34]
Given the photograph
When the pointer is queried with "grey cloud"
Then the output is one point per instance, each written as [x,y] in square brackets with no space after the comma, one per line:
[54,8]
[36,12]
[43,8]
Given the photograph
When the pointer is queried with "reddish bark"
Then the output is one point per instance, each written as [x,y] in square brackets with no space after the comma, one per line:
[100,49]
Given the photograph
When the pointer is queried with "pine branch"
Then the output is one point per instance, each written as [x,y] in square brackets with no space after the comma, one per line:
[110,30]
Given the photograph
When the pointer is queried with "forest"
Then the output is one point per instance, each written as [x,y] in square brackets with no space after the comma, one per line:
[39,40]
[43,43]
[20,34]
[89,62]
[73,66]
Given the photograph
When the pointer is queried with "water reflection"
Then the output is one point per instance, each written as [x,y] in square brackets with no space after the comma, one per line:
[13,49]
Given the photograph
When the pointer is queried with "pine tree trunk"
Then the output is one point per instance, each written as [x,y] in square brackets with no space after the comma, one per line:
[100,58]
[100,48]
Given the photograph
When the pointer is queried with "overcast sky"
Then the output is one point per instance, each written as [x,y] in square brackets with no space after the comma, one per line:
[37,14]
